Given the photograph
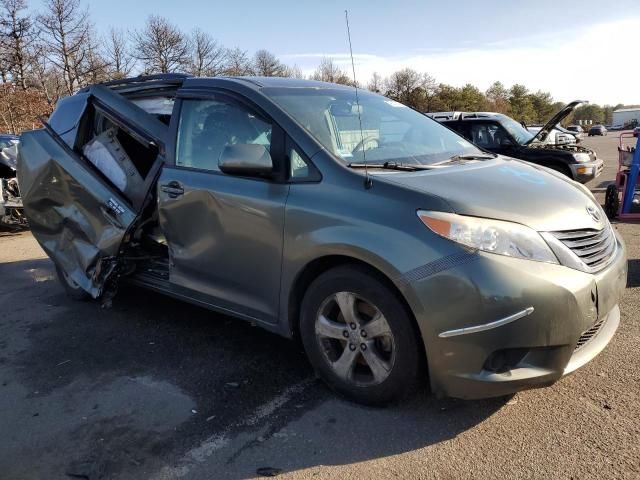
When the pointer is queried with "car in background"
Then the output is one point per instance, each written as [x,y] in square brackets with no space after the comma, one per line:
[577,136]
[556,136]
[575,129]
[501,134]
[11,210]
[395,249]
[597,130]
[7,142]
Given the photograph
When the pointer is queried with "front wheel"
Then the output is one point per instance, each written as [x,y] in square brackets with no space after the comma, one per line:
[359,337]
[72,289]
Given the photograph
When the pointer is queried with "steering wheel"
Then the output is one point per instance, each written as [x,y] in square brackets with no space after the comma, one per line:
[363,142]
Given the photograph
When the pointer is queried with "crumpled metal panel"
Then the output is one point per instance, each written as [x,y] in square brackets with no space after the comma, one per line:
[78,220]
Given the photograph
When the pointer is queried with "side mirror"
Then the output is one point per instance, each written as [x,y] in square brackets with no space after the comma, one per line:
[246,160]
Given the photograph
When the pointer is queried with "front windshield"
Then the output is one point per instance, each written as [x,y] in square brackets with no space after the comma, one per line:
[391,132]
[517,131]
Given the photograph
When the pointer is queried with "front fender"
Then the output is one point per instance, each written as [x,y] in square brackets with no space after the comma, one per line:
[385,234]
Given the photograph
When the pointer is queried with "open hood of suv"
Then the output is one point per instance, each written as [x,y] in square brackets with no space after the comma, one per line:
[556,119]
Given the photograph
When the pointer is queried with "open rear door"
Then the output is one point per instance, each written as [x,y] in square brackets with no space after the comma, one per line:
[77,210]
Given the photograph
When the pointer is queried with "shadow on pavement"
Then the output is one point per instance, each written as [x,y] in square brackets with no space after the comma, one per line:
[122,392]
[11,230]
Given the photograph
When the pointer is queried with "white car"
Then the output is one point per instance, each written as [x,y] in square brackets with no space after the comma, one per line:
[556,136]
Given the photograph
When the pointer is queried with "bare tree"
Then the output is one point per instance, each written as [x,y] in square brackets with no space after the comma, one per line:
[375,84]
[17,36]
[94,68]
[411,88]
[292,72]
[266,64]
[238,63]
[161,46]
[119,61]
[65,31]
[328,71]
[48,79]
[208,57]
[5,64]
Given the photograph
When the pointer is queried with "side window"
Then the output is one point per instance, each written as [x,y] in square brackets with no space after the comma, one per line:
[207,126]
[298,167]
[499,135]
[488,135]
[481,136]
[460,127]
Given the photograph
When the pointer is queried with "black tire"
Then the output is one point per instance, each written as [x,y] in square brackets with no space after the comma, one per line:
[403,364]
[72,289]
[611,202]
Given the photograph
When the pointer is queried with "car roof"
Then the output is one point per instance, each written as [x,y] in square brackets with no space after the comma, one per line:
[134,85]
[263,82]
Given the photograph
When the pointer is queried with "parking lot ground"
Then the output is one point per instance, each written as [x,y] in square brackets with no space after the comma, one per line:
[158,389]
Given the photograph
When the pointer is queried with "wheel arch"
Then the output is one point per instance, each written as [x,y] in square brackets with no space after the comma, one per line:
[320,265]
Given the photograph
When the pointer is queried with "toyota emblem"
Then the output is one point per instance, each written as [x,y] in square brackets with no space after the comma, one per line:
[593,212]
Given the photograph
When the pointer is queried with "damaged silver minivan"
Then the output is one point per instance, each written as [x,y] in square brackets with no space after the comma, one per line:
[394,249]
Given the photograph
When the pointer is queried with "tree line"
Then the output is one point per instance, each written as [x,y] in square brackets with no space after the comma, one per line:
[54,51]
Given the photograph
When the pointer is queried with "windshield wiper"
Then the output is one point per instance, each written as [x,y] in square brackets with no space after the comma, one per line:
[408,167]
[464,158]
[477,156]
[412,167]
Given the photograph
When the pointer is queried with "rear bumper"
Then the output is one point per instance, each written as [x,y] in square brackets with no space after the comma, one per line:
[537,316]
[584,172]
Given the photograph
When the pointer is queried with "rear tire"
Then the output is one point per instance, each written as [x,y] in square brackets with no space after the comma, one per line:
[371,352]
[73,290]
[611,202]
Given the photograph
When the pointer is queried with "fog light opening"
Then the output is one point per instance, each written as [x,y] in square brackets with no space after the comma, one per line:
[502,361]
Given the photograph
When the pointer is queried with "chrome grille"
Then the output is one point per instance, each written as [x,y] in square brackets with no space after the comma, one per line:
[589,334]
[594,248]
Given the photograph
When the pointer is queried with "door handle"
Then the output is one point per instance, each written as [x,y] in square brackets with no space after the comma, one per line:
[173,189]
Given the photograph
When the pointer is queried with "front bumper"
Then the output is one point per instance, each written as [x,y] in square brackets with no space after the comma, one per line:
[574,316]
[584,172]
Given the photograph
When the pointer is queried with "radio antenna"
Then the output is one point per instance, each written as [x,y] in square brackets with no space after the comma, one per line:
[367,179]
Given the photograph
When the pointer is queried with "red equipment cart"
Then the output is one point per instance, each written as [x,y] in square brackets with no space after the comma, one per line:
[613,204]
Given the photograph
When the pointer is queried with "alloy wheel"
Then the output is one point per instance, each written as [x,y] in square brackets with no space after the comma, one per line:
[355,339]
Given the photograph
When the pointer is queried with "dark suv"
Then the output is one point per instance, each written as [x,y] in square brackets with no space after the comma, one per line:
[501,134]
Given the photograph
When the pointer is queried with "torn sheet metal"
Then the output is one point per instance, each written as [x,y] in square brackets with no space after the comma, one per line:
[77,219]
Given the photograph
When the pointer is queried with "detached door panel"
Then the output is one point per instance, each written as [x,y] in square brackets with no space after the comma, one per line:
[224,232]
[77,215]
[77,219]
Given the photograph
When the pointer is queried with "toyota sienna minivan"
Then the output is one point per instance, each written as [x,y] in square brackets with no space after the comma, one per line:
[396,250]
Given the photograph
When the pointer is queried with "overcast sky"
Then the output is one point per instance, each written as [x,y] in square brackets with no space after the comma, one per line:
[573,49]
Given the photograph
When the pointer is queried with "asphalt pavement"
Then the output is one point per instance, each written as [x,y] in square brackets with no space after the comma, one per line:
[154,388]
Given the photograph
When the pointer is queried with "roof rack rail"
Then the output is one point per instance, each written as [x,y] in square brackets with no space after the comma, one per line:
[170,77]
[464,115]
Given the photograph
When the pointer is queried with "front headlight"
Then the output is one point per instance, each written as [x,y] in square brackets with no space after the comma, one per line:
[492,236]
[582,157]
